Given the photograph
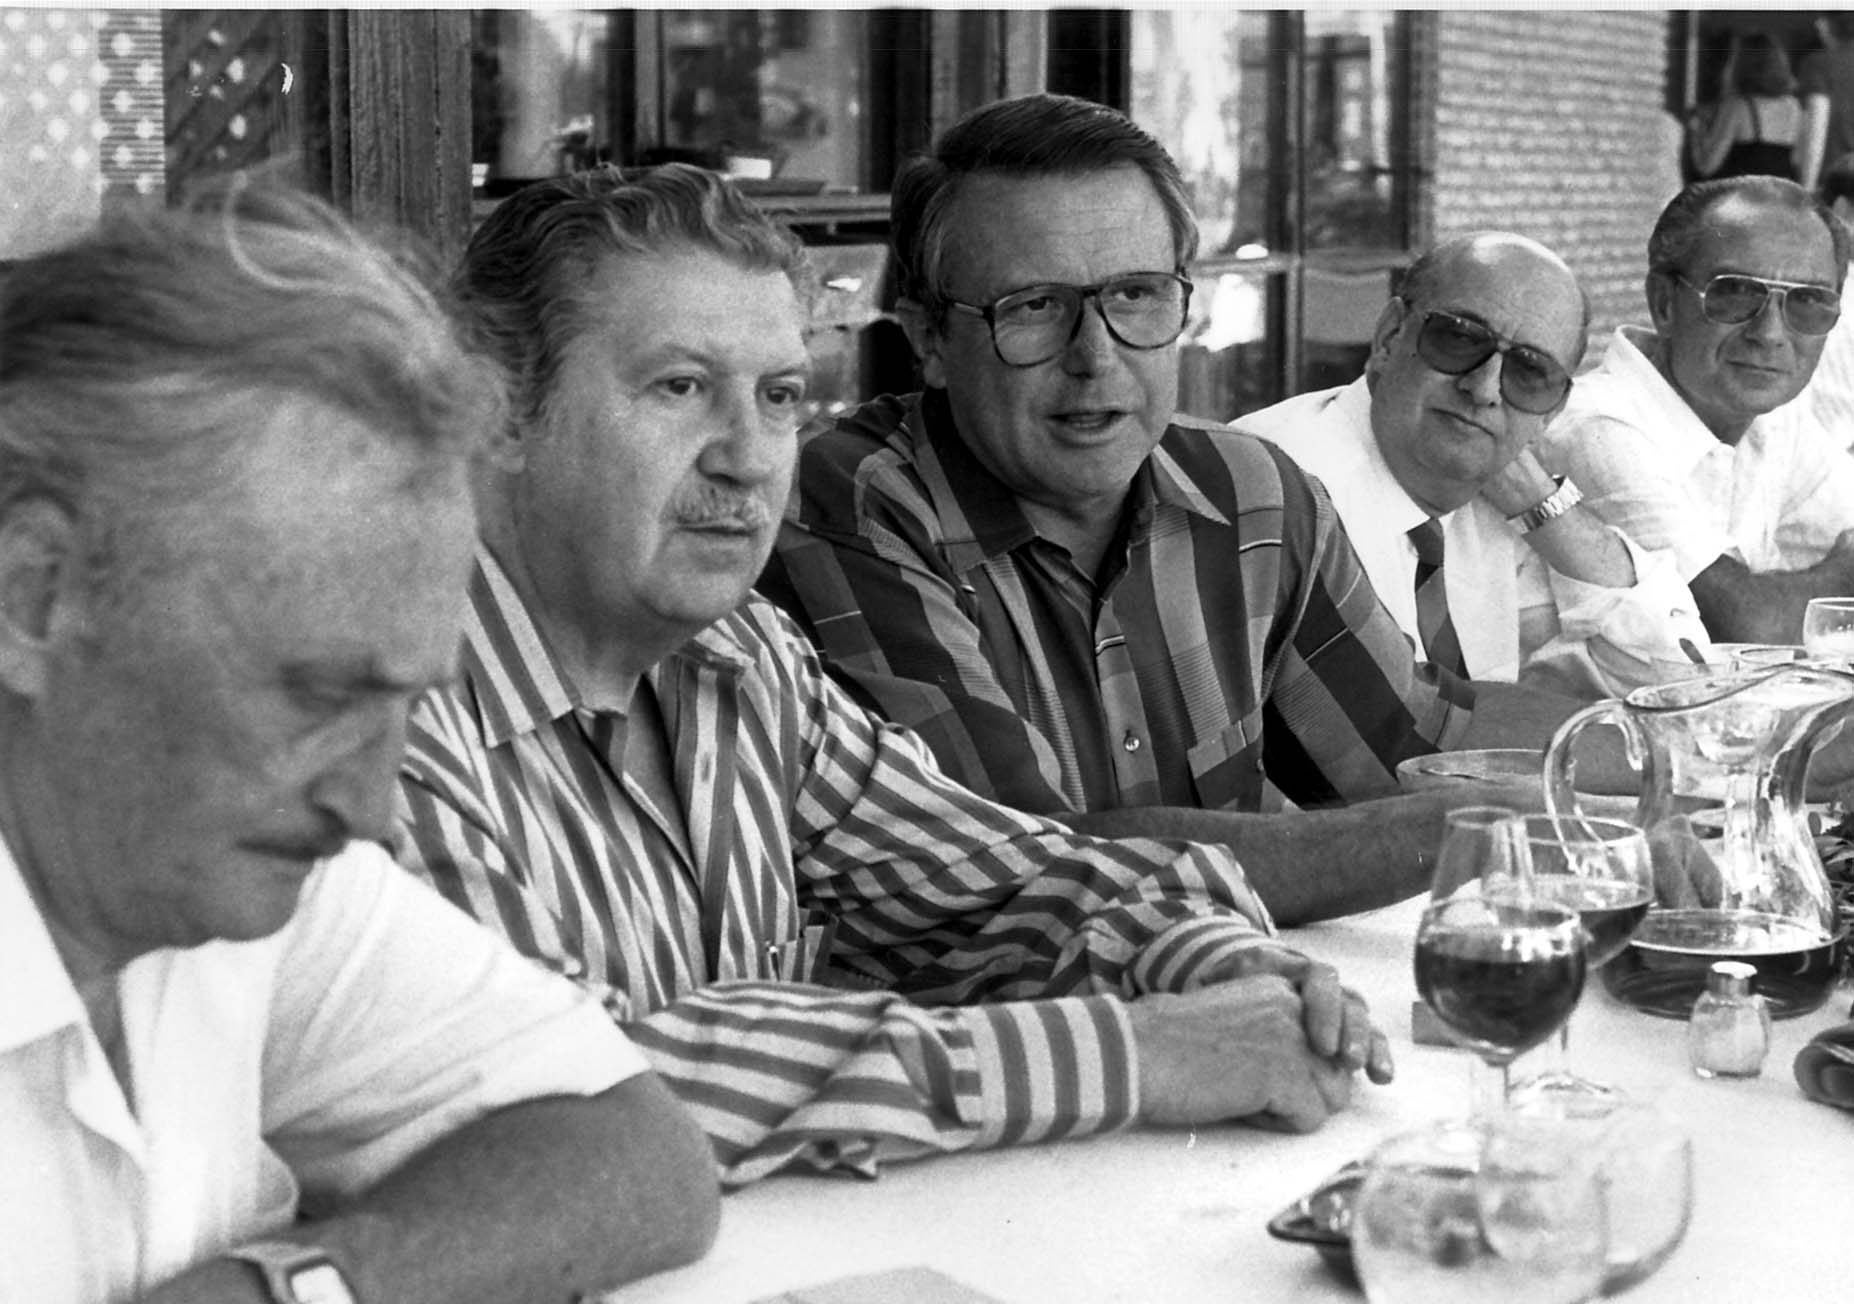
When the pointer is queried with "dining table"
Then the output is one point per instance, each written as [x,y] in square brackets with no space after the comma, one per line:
[1181,1214]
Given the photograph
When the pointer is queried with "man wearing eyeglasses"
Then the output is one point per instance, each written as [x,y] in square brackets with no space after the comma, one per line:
[1489,564]
[1089,606]
[1686,437]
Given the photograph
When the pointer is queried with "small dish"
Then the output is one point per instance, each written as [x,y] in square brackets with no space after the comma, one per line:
[1492,764]
[1322,1218]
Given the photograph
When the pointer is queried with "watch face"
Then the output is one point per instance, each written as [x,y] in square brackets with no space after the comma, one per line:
[320,1284]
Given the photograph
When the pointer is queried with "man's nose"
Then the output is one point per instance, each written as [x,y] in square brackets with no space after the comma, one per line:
[356,790]
[1482,383]
[749,446]
[1092,344]
[1768,324]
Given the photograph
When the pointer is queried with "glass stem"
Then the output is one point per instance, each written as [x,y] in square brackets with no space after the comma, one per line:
[1487,1086]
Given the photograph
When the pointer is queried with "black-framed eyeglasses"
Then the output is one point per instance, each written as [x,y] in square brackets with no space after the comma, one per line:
[1531,380]
[1142,310]
[1732,298]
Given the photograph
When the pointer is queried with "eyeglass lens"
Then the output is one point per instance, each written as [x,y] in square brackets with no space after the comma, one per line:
[1808,309]
[1529,380]
[1142,311]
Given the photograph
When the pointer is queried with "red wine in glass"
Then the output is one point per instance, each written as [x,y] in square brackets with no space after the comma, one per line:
[1610,909]
[1502,975]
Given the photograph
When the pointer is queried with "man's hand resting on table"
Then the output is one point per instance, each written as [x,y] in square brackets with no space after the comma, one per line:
[1276,1046]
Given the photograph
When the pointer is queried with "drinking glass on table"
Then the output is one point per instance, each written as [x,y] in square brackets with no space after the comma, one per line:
[1490,1208]
[1475,843]
[1603,870]
[1828,629]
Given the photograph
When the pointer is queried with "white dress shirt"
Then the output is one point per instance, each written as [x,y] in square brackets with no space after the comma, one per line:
[1831,388]
[311,1063]
[1515,616]
[1776,501]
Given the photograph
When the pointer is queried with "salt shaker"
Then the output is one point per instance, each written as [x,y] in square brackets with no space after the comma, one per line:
[1729,1033]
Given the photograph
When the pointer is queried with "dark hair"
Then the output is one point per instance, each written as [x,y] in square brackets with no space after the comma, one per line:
[1032,135]
[524,273]
[1763,67]
[139,360]
[1682,225]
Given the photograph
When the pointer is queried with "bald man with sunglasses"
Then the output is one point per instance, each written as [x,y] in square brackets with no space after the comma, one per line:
[1490,564]
[1686,436]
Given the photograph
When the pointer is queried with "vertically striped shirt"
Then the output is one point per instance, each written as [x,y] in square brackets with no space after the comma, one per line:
[980,955]
[1233,644]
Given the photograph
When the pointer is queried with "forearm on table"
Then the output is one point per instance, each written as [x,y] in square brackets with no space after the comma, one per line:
[1305,865]
[539,1201]
[1742,606]
[781,1075]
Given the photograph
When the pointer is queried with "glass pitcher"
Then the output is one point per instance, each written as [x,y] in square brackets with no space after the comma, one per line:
[1723,758]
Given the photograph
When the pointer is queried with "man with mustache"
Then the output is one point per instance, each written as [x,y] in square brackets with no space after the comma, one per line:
[243,1057]
[1686,438]
[1091,606]
[1429,459]
[644,779]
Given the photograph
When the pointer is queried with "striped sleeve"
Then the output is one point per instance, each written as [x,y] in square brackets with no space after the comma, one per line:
[781,1075]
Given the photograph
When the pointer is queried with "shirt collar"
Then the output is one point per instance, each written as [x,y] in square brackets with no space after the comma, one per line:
[984,518]
[1676,433]
[40,997]
[518,684]
[1352,404]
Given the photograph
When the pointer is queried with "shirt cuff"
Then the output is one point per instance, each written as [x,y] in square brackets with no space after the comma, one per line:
[1053,1068]
[1177,959]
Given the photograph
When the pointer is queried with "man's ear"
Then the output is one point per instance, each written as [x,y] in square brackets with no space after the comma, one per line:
[1660,289]
[924,336]
[40,548]
[1389,322]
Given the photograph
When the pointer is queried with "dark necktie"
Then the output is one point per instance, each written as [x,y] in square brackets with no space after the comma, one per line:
[1432,619]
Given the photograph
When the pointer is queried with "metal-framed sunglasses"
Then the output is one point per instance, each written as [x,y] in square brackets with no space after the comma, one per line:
[1531,380]
[1142,310]
[1732,298]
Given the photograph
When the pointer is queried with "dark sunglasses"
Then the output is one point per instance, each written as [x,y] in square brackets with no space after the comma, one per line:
[1732,298]
[1530,379]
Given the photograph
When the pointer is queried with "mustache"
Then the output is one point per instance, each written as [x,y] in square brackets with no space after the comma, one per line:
[711,506]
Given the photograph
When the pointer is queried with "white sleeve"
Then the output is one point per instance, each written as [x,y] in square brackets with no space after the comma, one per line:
[1818,499]
[1611,462]
[397,1019]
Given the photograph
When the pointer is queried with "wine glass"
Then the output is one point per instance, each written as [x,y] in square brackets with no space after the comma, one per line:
[1645,1161]
[1501,970]
[1465,1211]
[1828,629]
[1603,870]
[1475,842]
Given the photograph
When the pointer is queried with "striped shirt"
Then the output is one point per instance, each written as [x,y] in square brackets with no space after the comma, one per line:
[1233,650]
[979,958]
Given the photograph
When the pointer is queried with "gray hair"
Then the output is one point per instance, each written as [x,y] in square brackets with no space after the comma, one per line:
[524,273]
[1682,225]
[138,361]
[1030,136]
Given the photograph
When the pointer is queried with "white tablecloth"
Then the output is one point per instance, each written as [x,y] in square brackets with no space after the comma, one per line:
[1160,1216]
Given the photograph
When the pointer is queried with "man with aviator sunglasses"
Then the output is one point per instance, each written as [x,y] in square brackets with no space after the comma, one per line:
[1484,559]
[1686,436]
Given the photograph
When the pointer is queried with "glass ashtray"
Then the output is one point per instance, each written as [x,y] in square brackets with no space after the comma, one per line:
[1322,1218]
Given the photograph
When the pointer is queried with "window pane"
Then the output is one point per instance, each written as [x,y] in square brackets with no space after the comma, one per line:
[1230,359]
[1349,72]
[775,93]
[538,93]
[1200,84]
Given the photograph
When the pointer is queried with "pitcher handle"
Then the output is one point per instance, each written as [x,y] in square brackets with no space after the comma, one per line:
[1561,759]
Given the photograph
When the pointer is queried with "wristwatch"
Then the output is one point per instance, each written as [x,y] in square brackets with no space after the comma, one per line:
[295,1274]
[1561,500]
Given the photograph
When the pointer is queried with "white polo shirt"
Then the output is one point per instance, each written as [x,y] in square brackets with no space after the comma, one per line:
[312,1062]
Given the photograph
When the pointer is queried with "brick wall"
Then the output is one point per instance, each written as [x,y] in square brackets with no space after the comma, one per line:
[1550,123]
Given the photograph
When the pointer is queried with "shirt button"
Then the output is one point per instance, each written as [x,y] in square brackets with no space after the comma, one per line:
[1131,741]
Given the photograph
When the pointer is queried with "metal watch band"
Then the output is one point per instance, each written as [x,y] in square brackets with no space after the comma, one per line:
[1561,500]
[295,1274]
